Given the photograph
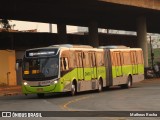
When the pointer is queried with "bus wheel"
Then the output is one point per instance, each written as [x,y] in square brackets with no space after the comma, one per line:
[73,89]
[129,83]
[100,86]
[40,95]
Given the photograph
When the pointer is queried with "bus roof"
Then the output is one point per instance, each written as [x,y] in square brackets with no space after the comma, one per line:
[61,46]
[114,47]
[79,47]
[71,46]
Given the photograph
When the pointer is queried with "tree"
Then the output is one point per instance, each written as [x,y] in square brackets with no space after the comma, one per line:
[5,24]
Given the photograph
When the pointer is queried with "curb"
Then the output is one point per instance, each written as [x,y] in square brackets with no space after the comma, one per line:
[10,91]
[10,88]
[10,94]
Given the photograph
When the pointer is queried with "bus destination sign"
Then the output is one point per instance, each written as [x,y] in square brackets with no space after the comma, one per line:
[41,53]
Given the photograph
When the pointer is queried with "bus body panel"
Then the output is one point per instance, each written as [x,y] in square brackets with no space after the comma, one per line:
[123,67]
[89,65]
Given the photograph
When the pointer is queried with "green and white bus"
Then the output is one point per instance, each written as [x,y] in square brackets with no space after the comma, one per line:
[76,68]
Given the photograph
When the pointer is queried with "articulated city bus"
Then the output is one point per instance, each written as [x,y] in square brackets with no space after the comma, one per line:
[76,68]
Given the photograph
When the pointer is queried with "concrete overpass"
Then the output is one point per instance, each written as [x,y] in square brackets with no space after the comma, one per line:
[141,16]
[113,14]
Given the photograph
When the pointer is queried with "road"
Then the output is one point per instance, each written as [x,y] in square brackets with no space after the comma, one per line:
[143,96]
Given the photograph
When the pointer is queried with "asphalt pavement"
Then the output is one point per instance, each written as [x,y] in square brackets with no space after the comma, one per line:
[16,90]
[143,96]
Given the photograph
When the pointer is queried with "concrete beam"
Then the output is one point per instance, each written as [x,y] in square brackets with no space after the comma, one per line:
[150,4]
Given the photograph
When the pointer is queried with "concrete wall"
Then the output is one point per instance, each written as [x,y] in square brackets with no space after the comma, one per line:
[7,67]
[19,55]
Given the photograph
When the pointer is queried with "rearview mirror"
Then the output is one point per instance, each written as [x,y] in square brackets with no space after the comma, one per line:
[18,63]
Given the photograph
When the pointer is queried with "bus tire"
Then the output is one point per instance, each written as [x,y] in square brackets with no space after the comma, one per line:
[100,85]
[40,95]
[129,83]
[73,89]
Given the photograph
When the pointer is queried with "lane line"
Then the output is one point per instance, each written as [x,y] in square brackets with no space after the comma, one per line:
[65,105]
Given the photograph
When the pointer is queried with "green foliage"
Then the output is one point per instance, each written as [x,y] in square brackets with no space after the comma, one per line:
[156,55]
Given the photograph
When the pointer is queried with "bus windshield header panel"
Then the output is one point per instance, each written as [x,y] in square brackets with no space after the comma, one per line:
[41,53]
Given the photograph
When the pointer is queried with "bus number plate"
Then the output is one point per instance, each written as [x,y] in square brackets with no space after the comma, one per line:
[40,89]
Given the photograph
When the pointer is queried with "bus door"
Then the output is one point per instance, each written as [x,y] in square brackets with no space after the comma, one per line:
[80,69]
[92,61]
[118,64]
[134,62]
[108,64]
[87,66]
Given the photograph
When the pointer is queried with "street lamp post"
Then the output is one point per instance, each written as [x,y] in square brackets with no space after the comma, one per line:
[152,54]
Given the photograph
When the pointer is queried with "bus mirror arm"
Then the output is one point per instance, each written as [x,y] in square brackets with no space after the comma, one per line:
[18,63]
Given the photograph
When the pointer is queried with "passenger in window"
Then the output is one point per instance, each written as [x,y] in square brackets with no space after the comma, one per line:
[64,63]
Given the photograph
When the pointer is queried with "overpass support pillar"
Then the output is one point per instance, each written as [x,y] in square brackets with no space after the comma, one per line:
[93,34]
[142,37]
[62,33]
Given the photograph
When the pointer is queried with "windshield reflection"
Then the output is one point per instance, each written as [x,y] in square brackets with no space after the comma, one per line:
[40,68]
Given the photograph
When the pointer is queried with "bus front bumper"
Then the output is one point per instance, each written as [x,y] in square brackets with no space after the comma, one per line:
[40,89]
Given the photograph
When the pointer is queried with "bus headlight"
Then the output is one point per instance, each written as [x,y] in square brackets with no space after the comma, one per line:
[55,82]
[25,83]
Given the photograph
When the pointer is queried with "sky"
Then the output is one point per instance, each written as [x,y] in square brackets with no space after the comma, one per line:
[41,27]
[44,27]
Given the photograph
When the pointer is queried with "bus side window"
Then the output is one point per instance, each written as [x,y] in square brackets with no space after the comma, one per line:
[61,66]
[92,59]
[139,57]
[126,58]
[117,58]
[79,59]
[64,64]
[72,60]
[113,57]
[87,60]
[99,59]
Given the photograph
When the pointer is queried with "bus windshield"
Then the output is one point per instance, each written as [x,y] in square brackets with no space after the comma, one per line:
[35,69]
